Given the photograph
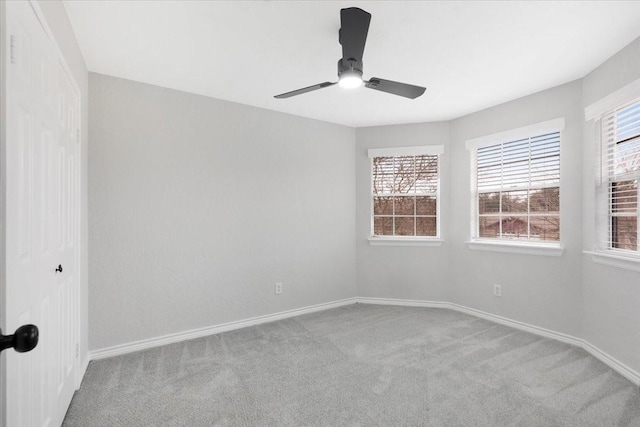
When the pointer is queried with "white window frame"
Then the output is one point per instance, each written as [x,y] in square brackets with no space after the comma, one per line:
[436,150]
[596,112]
[504,245]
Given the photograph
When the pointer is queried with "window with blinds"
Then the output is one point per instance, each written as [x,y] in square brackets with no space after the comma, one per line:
[518,189]
[405,195]
[621,137]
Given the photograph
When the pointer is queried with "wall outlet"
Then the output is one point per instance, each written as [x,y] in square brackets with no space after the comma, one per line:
[278,288]
[497,290]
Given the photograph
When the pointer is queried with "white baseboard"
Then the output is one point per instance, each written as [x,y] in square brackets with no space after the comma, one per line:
[211,330]
[612,362]
[607,359]
[404,302]
[527,327]
[477,313]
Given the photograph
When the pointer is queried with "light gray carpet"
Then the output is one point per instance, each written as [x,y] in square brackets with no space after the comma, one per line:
[359,365]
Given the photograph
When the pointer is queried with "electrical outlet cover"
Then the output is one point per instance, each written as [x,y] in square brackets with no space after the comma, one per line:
[497,290]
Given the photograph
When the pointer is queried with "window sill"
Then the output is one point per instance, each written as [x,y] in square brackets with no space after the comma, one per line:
[615,260]
[542,249]
[407,241]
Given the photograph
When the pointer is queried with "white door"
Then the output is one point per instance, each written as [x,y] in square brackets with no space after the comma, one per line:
[42,216]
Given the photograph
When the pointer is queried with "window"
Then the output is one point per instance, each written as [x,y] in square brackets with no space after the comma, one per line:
[405,192]
[614,123]
[516,185]
[621,167]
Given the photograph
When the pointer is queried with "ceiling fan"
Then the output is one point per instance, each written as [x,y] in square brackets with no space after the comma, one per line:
[353,36]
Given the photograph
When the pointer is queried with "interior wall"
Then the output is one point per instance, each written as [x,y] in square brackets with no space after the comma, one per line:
[568,294]
[57,20]
[540,290]
[545,291]
[402,272]
[611,295]
[198,206]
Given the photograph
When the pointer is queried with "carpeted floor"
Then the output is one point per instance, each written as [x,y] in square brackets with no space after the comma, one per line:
[359,365]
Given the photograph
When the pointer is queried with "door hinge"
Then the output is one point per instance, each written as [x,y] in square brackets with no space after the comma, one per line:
[77,350]
[12,49]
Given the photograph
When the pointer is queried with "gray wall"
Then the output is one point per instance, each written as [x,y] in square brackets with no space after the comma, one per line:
[544,291]
[198,206]
[611,295]
[419,273]
[568,294]
[541,290]
[58,21]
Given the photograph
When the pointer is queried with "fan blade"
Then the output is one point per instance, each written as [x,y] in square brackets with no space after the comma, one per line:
[304,90]
[395,88]
[354,26]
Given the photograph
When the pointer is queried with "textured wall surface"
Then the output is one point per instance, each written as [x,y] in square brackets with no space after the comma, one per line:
[541,290]
[198,206]
[616,72]
[544,291]
[611,295]
[392,271]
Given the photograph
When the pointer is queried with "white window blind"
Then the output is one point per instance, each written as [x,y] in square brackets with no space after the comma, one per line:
[517,189]
[405,192]
[621,167]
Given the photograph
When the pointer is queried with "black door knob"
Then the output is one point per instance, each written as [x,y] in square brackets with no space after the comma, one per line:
[59,269]
[25,339]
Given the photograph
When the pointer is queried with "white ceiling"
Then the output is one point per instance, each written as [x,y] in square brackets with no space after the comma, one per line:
[469,55]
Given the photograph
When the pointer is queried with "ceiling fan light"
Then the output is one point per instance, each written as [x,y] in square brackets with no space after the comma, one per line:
[350,80]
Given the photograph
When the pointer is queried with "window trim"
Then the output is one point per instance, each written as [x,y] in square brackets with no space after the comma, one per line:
[416,150]
[615,99]
[550,126]
[475,242]
[614,259]
[405,241]
[516,246]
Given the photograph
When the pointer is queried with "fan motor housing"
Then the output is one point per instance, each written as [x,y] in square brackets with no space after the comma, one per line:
[349,66]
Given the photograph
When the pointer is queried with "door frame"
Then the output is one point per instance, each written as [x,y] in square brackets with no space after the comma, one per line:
[4,36]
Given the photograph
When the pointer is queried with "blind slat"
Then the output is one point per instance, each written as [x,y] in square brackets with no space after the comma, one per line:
[522,162]
[518,189]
